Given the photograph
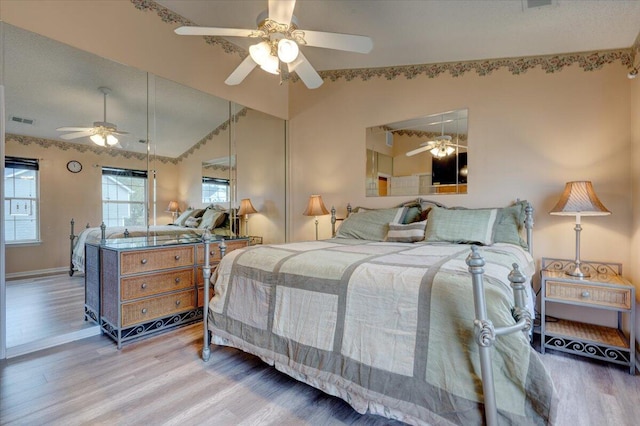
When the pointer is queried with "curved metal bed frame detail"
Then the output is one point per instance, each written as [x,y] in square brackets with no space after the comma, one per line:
[485,332]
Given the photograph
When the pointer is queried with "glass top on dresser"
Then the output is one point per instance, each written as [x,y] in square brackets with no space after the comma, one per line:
[161,240]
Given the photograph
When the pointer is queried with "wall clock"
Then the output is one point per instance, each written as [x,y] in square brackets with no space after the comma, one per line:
[74,166]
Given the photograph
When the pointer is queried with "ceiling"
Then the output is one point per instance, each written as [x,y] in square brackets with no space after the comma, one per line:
[57,85]
[407,32]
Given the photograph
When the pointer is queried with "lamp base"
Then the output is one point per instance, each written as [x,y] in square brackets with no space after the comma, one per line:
[578,273]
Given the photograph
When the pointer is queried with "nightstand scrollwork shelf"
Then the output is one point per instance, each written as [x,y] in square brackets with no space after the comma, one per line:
[605,289]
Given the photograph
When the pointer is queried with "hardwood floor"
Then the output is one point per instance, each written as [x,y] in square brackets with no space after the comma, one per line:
[42,307]
[162,380]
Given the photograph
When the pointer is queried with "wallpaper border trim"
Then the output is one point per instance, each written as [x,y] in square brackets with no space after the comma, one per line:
[588,61]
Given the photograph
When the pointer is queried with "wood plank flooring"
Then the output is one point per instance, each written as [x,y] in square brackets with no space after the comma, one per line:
[39,308]
[162,380]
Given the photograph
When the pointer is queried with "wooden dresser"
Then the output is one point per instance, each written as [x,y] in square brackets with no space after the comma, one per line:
[138,286]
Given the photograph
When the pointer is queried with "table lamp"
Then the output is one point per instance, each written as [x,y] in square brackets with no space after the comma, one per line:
[579,199]
[246,208]
[174,209]
[315,208]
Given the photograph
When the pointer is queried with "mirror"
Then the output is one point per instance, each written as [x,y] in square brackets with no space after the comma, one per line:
[421,156]
[171,130]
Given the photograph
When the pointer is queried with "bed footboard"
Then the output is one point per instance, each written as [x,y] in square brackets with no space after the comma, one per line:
[486,333]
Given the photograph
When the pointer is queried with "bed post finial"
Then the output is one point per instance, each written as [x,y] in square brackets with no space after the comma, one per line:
[333,221]
[520,311]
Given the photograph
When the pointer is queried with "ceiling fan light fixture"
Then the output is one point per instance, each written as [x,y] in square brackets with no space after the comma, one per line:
[288,50]
[98,139]
[271,65]
[260,53]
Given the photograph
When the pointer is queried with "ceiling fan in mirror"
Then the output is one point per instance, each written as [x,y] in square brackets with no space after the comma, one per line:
[278,49]
[440,146]
[102,133]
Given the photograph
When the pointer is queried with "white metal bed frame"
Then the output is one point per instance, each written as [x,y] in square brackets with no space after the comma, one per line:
[485,332]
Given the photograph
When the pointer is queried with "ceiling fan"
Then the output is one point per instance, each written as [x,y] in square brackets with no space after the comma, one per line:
[102,133]
[441,146]
[278,50]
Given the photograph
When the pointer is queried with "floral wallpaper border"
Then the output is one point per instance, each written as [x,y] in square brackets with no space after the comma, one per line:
[588,61]
[116,152]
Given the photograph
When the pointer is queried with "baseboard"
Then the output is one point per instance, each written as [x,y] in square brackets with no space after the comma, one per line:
[52,341]
[36,273]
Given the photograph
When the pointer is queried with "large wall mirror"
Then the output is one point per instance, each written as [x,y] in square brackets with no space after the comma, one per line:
[421,156]
[179,136]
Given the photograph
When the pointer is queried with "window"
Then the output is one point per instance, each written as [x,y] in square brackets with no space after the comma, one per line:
[215,190]
[21,201]
[124,197]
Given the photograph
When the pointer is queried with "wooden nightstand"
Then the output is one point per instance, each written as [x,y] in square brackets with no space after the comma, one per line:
[604,289]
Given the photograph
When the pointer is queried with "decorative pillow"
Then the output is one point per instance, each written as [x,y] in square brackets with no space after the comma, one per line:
[461,225]
[406,233]
[192,222]
[212,219]
[370,224]
[183,217]
[509,223]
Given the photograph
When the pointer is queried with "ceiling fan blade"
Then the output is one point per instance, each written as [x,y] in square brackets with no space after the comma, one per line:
[281,11]
[77,135]
[346,42]
[418,150]
[73,129]
[306,72]
[120,132]
[213,31]
[241,72]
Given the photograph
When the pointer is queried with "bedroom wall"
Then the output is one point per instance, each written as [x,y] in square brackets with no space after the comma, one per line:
[528,135]
[66,196]
[634,268]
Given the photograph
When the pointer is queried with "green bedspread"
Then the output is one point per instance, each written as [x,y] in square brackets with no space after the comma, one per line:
[388,327]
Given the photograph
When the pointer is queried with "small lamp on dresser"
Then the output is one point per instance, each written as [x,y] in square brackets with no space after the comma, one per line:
[174,209]
[246,208]
[579,199]
[316,208]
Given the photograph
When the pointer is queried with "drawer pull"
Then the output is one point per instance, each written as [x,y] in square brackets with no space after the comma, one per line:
[144,310]
[143,286]
[177,257]
[212,253]
[586,294]
[143,261]
[177,303]
[177,280]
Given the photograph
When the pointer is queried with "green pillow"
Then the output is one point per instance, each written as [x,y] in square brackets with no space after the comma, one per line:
[461,225]
[509,223]
[370,224]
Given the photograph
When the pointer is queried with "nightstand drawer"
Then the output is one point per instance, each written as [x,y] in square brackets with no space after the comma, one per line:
[157,307]
[152,260]
[594,295]
[148,285]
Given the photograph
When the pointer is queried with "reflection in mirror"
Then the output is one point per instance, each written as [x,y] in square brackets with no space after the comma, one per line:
[422,156]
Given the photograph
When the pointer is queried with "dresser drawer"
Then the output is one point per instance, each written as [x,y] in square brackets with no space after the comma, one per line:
[594,295]
[150,284]
[132,262]
[156,307]
[214,250]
